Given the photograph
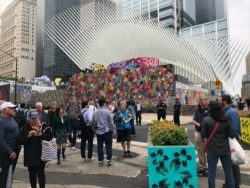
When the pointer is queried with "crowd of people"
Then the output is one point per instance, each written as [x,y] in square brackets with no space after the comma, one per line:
[27,128]
[104,119]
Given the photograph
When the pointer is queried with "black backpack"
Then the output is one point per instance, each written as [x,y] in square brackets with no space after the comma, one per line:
[21,118]
[80,123]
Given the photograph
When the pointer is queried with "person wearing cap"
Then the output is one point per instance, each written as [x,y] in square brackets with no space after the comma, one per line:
[9,149]
[31,137]
[177,111]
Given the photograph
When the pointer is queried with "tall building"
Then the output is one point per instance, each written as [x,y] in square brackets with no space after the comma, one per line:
[18,40]
[210,10]
[248,63]
[170,13]
[51,60]
[187,13]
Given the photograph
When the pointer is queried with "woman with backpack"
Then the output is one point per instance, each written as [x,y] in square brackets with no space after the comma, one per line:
[123,118]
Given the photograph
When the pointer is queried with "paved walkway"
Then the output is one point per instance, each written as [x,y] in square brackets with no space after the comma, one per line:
[125,172]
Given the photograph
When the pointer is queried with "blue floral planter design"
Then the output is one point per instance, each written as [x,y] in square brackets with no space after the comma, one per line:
[172,166]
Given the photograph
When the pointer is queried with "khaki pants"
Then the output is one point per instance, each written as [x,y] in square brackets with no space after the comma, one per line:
[199,141]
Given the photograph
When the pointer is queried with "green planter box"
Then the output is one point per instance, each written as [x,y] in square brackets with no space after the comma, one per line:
[172,166]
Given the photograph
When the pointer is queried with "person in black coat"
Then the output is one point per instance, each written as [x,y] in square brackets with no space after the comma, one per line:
[31,137]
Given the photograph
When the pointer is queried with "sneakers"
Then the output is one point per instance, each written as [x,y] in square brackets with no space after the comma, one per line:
[109,163]
[90,159]
[74,148]
[100,163]
[202,172]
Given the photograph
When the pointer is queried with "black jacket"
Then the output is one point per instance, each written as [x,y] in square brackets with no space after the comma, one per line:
[32,145]
[219,143]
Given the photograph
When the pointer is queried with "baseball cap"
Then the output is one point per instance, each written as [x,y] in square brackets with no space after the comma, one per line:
[7,105]
[33,114]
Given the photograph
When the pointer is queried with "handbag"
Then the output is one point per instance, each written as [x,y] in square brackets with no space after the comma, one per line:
[49,148]
[238,155]
[210,136]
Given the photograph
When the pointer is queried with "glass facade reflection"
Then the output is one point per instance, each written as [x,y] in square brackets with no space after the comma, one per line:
[51,60]
[170,13]
[209,10]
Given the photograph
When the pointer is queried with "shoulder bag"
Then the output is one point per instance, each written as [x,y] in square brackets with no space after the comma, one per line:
[211,135]
[49,148]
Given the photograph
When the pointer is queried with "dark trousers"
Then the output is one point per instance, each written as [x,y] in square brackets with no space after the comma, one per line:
[37,172]
[138,117]
[107,139]
[5,163]
[161,115]
[72,139]
[87,135]
[177,118]
[133,132]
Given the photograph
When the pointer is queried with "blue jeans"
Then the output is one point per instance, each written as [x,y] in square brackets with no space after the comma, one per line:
[72,140]
[107,139]
[212,160]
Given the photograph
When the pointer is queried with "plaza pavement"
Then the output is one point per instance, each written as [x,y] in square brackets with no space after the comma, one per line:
[125,172]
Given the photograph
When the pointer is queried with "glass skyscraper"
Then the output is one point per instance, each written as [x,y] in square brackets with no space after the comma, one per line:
[168,13]
[209,10]
[50,59]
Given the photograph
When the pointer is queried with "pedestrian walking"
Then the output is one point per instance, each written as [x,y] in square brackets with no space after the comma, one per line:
[60,130]
[104,130]
[9,149]
[218,127]
[73,110]
[87,135]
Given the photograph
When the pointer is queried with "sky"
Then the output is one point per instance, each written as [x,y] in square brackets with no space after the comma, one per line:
[240,19]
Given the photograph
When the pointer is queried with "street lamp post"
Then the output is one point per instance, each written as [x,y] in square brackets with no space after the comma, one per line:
[15,73]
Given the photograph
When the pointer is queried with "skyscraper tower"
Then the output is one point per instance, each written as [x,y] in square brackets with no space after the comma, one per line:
[51,60]
[209,10]
[18,40]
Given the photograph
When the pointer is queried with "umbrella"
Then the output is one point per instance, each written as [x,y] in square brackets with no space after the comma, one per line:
[9,178]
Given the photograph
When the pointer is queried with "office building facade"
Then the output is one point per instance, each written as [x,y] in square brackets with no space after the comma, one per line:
[167,13]
[51,60]
[210,10]
[18,40]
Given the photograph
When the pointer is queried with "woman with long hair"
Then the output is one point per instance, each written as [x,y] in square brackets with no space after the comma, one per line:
[60,130]
[218,147]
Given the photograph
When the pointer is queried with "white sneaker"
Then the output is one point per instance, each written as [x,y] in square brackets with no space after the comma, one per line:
[84,159]
[90,159]
[74,148]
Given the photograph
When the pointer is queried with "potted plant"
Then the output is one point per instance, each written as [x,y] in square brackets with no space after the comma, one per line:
[171,157]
